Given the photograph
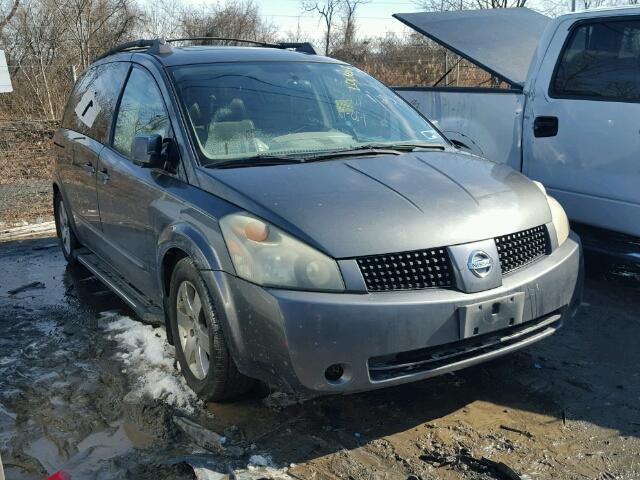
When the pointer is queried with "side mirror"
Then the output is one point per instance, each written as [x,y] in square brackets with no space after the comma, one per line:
[147,150]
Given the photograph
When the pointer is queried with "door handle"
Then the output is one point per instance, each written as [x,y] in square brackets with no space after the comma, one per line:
[91,170]
[545,127]
[104,176]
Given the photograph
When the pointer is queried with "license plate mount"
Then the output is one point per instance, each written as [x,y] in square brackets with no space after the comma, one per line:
[491,315]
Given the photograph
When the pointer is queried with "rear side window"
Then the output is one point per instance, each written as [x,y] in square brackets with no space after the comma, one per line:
[93,100]
[142,111]
[601,61]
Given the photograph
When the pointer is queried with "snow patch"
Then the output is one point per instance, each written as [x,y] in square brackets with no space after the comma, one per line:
[206,474]
[260,461]
[149,358]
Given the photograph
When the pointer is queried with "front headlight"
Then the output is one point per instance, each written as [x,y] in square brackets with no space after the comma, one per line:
[558,216]
[264,254]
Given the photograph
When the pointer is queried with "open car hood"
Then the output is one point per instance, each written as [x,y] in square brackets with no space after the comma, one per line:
[501,41]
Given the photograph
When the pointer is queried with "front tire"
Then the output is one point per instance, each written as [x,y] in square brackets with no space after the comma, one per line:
[199,341]
[68,240]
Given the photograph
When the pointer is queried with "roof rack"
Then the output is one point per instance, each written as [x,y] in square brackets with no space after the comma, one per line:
[160,46]
[302,47]
[155,46]
[223,39]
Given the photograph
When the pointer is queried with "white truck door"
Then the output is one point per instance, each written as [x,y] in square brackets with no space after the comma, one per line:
[5,80]
[582,121]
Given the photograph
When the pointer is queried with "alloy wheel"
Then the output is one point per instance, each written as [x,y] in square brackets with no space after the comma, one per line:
[65,229]
[193,330]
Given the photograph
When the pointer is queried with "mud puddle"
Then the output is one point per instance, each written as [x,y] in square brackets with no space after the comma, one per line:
[86,389]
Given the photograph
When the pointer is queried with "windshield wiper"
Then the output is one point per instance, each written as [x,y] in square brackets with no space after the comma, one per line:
[256,161]
[375,149]
[407,147]
[368,149]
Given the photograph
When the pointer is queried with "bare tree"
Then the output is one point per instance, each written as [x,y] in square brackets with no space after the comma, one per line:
[95,25]
[37,34]
[486,4]
[231,20]
[554,8]
[349,8]
[298,35]
[160,19]
[327,11]
[449,5]
[12,11]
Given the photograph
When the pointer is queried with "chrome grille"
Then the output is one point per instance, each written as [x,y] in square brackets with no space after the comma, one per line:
[521,248]
[407,270]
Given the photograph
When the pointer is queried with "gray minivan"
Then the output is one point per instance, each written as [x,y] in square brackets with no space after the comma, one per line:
[293,220]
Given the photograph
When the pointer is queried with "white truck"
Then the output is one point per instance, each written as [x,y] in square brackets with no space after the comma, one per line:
[570,117]
[5,80]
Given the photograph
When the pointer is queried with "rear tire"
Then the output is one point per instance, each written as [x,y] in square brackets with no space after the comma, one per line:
[199,341]
[68,240]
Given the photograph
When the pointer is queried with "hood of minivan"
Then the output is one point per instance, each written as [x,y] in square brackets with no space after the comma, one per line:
[388,203]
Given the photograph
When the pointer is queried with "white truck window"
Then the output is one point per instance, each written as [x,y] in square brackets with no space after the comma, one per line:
[601,62]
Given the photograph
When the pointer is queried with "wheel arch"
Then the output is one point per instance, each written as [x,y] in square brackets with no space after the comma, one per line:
[181,240]
[194,243]
[58,190]
[212,259]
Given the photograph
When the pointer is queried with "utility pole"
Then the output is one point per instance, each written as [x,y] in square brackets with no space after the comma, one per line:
[573,5]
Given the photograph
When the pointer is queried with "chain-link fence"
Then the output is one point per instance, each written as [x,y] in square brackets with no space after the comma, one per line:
[25,171]
[28,118]
[423,64]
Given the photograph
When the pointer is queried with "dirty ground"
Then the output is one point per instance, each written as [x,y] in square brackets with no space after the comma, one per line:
[86,388]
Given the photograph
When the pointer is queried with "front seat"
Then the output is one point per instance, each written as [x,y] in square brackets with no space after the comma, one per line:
[231,132]
[234,111]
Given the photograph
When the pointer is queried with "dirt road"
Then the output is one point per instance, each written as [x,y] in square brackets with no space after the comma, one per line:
[85,389]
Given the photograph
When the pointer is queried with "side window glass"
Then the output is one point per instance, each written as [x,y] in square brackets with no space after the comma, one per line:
[92,103]
[106,87]
[142,111]
[601,61]
[69,119]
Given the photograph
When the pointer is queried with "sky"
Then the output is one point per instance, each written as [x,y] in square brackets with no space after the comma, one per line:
[373,18]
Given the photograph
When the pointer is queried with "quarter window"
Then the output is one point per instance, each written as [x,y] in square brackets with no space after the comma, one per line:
[601,61]
[142,111]
[93,100]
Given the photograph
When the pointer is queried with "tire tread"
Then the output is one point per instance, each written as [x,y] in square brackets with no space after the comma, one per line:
[223,381]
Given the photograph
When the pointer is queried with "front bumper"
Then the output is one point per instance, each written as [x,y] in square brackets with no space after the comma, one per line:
[381,339]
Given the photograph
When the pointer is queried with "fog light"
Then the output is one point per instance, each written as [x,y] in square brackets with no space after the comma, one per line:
[334,372]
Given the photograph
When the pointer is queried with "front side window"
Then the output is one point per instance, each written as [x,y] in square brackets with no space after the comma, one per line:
[601,61]
[141,112]
[240,110]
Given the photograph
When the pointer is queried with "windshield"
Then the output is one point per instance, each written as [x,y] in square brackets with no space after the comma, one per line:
[240,110]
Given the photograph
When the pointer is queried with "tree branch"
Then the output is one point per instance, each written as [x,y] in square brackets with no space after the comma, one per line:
[10,15]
